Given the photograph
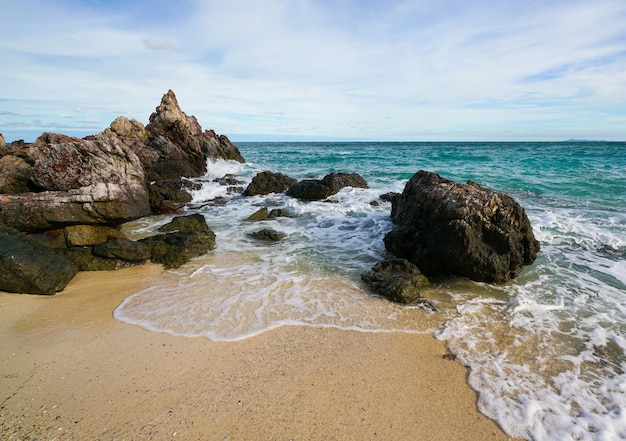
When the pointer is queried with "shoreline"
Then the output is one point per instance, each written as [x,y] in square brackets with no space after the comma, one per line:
[69,370]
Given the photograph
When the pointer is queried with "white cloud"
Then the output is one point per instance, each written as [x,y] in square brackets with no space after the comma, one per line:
[384,70]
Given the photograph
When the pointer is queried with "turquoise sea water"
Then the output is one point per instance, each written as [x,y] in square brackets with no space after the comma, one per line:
[546,352]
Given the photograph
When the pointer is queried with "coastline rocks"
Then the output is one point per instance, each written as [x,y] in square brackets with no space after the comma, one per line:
[268,182]
[397,280]
[268,235]
[195,222]
[463,229]
[181,145]
[29,267]
[82,182]
[15,175]
[174,249]
[123,249]
[316,189]
[85,235]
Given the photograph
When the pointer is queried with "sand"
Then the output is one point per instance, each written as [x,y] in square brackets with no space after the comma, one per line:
[69,371]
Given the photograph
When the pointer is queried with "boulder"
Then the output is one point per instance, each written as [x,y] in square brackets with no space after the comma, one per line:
[279,212]
[26,266]
[15,173]
[86,235]
[463,229]
[191,222]
[397,280]
[174,249]
[84,181]
[123,127]
[268,182]
[316,189]
[267,235]
[123,249]
[170,195]
[3,146]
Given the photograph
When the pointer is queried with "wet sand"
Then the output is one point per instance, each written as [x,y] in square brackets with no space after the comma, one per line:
[69,371]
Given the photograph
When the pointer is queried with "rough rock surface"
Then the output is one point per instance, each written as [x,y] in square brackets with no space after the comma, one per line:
[316,189]
[123,249]
[174,249]
[268,235]
[182,146]
[464,229]
[397,280]
[85,235]
[85,260]
[26,266]
[15,175]
[193,222]
[268,182]
[84,181]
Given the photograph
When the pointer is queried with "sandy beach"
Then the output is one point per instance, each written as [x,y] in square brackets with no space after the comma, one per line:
[69,371]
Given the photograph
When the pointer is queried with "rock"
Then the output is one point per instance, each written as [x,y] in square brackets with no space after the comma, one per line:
[229,180]
[389,197]
[315,189]
[397,280]
[182,147]
[85,235]
[123,249]
[15,175]
[174,249]
[279,212]
[461,229]
[259,215]
[268,182]
[3,146]
[123,127]
[54,239]
[29,267]
[267,235]
[192,222]
[85,181]
[170,195]
[84,259]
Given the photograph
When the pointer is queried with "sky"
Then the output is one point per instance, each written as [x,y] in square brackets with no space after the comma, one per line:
[291,70]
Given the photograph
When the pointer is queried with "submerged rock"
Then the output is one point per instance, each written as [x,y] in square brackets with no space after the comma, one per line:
[397,280]
[259,215]
[464,229]
[268,235]
[28,267]
[316,189]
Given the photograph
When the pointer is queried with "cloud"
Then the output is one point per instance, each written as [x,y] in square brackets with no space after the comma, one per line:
[323,68]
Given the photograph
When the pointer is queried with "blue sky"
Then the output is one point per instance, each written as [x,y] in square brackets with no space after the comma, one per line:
[320,69]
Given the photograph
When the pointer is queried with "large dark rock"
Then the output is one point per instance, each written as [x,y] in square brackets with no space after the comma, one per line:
[87,235]
[85,260]
[397,280]
[123,249]
[268,182]
[464,229]
[83,181]
[26,266]
[174,249]
[316,189]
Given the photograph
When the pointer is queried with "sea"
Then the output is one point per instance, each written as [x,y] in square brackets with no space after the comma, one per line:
[546,353]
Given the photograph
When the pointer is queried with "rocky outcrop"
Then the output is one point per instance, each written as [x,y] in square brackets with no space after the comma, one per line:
[182,146]
[193,222]
[26,266]
[398,280]
[82,182]
[125,128]
[316,189]
[268,182]
[464,229]
[3,146]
